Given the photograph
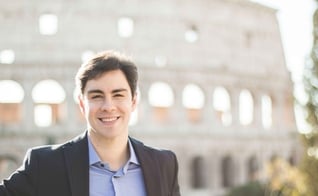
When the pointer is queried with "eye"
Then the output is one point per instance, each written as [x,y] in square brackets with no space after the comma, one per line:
[96,96]
[118,95]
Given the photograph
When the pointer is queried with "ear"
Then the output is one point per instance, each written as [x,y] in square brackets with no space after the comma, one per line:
[81,103]
[134,102]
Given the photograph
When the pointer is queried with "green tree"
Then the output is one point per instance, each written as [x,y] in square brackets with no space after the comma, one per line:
[250,189]
[284,179]
[309,165]
[281,179]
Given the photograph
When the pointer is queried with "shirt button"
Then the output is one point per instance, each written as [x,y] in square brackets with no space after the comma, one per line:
[102,165]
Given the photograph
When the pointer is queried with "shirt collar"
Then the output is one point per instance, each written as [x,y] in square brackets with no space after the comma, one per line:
[92,154]
[94,158]
[133,156]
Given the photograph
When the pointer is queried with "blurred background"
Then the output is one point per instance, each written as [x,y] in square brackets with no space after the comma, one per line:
[217,85]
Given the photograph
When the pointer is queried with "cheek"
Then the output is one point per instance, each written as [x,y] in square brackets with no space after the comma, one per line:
[88,109]
[126,106]
[91,107]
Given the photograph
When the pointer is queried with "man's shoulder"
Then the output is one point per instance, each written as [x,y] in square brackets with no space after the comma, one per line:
[55,148]
[155,151]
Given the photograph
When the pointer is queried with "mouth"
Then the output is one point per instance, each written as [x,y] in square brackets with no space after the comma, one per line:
[109,119]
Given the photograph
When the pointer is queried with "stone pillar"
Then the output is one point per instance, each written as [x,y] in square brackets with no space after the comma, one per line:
[144,108]
[28,105]
[209,117]
[241,165]
[178,113]
[217,172]
[235,106]
[184,160]
[278,111]
[214,169]
[72,115]
[257,109]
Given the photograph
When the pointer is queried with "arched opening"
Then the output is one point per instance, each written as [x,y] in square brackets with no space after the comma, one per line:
[293,158]
[193,101]
[7,165]
[10,102]
[253,167]
[87,55]
[48,96]
[246,107]
[228,172]
[198,173]
[222,105]
[48,24]
[191,35]
[125,27]
[161,98]
[7,56]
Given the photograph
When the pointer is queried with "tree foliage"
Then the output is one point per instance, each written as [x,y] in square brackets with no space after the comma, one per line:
[309,164]
[280,179]
[250,189]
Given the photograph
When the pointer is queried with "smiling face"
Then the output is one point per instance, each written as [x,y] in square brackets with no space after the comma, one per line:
[107,104]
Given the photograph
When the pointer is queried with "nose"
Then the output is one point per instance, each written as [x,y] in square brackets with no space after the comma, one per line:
[107,105]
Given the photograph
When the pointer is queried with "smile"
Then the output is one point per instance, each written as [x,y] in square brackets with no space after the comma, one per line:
[109,119]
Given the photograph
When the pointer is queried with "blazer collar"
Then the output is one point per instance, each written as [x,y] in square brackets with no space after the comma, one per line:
[77,163]
[150,168]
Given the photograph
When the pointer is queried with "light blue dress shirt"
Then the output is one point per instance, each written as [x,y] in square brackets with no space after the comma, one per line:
[128,180]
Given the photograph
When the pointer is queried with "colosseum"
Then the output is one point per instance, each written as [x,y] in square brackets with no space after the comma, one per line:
[213,86]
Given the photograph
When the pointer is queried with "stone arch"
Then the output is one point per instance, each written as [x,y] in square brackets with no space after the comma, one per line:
[48,96]
[267,111]
[10,101]
[198,170]
[228,171]
[48,24]
[125,27]
[161,98]
[8,163]
[252,168]
[193,99]
[222,105]
[246,107]
[293,159]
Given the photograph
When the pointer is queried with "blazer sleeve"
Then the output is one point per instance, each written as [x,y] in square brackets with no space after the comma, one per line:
[22,181]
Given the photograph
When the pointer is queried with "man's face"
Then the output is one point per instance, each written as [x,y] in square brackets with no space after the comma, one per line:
[107,104]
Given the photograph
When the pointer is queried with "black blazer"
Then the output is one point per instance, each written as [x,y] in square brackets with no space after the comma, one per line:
[63,170]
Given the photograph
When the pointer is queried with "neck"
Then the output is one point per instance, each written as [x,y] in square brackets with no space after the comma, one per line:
[114,152]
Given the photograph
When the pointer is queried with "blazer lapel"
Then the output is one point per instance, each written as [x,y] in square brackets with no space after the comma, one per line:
[77,163]
[150,168]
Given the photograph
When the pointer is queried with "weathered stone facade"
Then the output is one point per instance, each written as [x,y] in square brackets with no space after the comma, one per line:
[233,44]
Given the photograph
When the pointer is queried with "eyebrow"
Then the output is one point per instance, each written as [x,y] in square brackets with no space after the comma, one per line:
[101,92]
[119,90]
[94,91]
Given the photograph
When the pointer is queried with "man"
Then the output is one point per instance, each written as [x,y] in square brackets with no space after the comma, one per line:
[104,160]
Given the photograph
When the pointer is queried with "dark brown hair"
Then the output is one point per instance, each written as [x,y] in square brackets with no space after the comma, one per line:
[104,62]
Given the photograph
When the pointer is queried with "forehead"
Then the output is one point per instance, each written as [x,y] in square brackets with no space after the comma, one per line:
[108,81]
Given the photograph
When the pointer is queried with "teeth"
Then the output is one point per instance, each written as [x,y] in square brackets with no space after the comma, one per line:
[108,119]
